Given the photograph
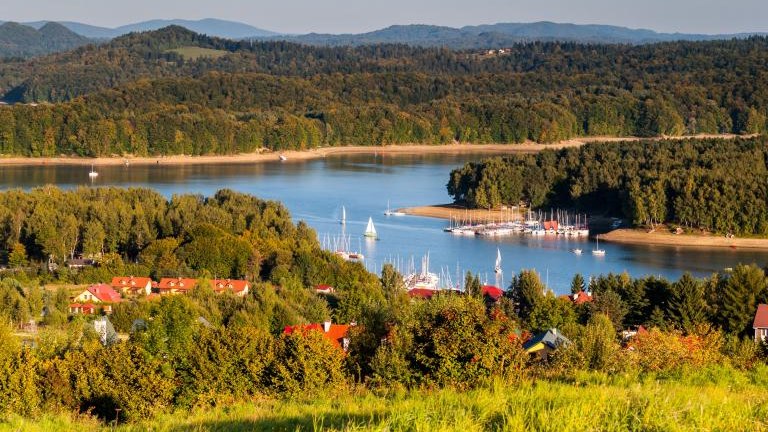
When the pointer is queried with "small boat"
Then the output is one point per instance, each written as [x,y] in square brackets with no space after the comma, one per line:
[283,158]
[576,251]
[391,212]
[93,174]
[497,267]
[370,230]
[343,220]
[597,251]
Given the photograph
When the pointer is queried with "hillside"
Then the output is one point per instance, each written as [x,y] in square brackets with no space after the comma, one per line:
[500,35]
[208,26]
[18,40]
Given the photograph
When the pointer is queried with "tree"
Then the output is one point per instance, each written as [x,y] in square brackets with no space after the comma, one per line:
[687,304]
[577,283]
[17,257]
[739,297]
[610,304]
[525,291]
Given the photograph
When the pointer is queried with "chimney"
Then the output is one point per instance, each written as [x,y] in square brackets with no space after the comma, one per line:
[327,326]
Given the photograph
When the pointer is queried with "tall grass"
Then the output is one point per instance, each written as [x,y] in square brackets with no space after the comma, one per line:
[733,401]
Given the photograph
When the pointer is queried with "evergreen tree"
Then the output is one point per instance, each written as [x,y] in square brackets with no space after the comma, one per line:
[739,298]
[687,305]
[577,283]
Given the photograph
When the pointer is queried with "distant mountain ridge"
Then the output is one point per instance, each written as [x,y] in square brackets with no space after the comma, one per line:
[17,40]
[502,34]
[209,26]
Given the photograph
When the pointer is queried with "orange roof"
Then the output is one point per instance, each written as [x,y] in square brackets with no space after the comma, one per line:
[177,284]
[336,332]
[128,282]
[421,293]
[761,317]
[237,286]
[580,297]
[104,293]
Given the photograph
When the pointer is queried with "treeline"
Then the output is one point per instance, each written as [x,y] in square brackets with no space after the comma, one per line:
[235,113]
[139,232]
[715,185]
[207,349]
[134,96]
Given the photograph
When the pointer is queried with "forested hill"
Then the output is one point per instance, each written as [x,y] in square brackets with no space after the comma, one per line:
[174,91]
[18,40]
[715,185]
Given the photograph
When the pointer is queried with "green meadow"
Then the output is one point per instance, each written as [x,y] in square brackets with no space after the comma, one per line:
[714,400]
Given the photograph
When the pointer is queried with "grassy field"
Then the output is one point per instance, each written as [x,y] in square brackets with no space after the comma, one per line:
[194,53]
[734,405]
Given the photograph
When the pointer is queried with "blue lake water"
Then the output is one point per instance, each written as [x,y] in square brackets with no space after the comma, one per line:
[315,190]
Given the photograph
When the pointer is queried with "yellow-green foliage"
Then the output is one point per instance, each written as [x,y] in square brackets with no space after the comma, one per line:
[547,406]
[194,53]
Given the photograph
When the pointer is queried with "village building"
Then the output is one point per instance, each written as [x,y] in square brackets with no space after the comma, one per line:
[544,344]
[132,286]
[578,298]
[760,324]
[324,289]
[492,293]
[102,294]
[238,287]
[337,334]
[82,308]
[175,285]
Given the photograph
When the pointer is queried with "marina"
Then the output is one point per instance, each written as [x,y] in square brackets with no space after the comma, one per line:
[333,193]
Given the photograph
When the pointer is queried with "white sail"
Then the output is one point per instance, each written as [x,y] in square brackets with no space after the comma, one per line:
[497,268]
[370,230]
[343,215]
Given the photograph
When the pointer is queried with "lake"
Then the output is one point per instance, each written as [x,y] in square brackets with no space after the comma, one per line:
[315,190]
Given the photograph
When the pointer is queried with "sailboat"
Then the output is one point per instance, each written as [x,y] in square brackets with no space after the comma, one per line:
[93,174]
[343,220]
[597,251]
[497,267]
[391,212]
[370,230]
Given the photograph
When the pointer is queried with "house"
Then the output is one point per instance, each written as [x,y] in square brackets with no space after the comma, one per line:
[421,293]
[80,263]
[324,289]
[629,334]
[175,285]
[580,297]
[100,293]
[132,285]
[336,333]
[492,293]
[238,287]
[760,325]
[546,343]
[82,308]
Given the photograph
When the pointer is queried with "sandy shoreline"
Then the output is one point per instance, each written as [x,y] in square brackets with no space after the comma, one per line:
[631,236]
[456,212]
[267,156]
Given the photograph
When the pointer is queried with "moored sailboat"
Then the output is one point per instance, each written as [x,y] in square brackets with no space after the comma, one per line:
[497,267]
[370,230]
[597,251]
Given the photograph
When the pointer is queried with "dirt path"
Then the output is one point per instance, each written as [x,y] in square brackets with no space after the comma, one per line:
[631,236]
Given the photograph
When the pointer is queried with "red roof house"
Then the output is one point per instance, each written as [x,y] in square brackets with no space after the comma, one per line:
[82,308]
[324,289]
[421,293]
[580,297]
[760,325]
[492,292]
[238,287]
[336,333]
[132,285]
[175,285]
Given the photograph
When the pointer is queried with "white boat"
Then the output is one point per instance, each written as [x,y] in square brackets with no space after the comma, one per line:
[391,212]
[497,267]
[424,279]
[370,230]
[577,251]
[93,174]
[343,220]
[283,158]
[597,251]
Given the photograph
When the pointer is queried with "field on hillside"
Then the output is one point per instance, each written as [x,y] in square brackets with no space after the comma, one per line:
[735,403]
[194,53]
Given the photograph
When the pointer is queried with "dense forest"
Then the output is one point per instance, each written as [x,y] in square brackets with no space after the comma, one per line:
[205,349]
[714,185]
[135,96]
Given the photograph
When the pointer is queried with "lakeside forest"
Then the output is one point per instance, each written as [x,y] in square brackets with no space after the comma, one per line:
[712,185]
[209,351]
[140,95]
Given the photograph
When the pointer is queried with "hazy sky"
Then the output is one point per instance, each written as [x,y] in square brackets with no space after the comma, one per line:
[347,16]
